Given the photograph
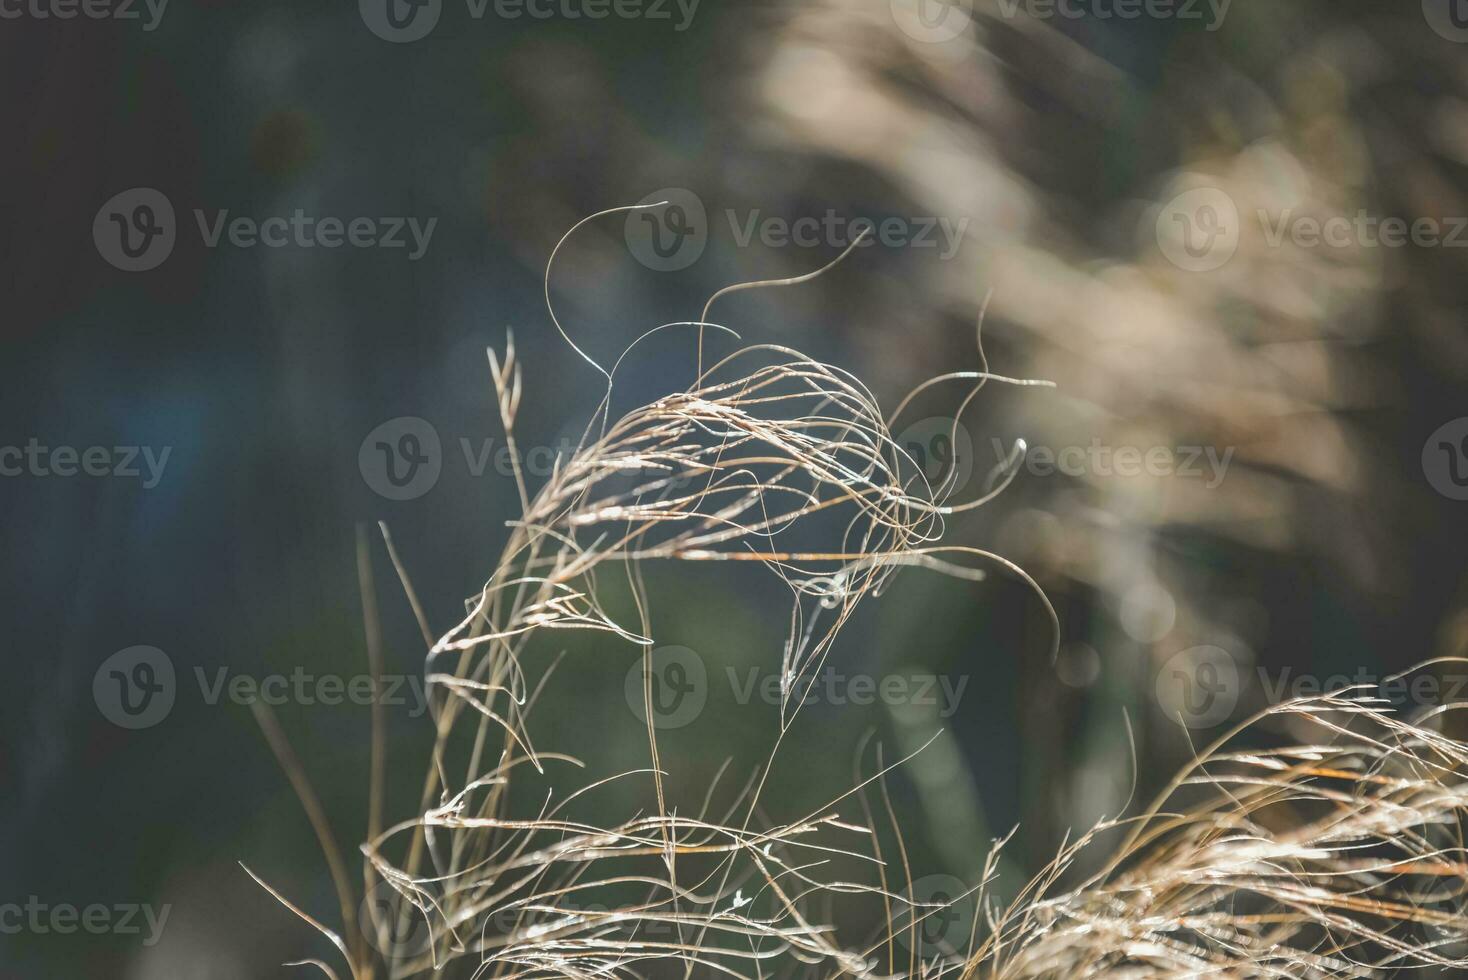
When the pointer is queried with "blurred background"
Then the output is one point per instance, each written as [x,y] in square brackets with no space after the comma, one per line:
[254,253]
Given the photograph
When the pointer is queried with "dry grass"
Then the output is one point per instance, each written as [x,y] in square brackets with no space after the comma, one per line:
[1315,860]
